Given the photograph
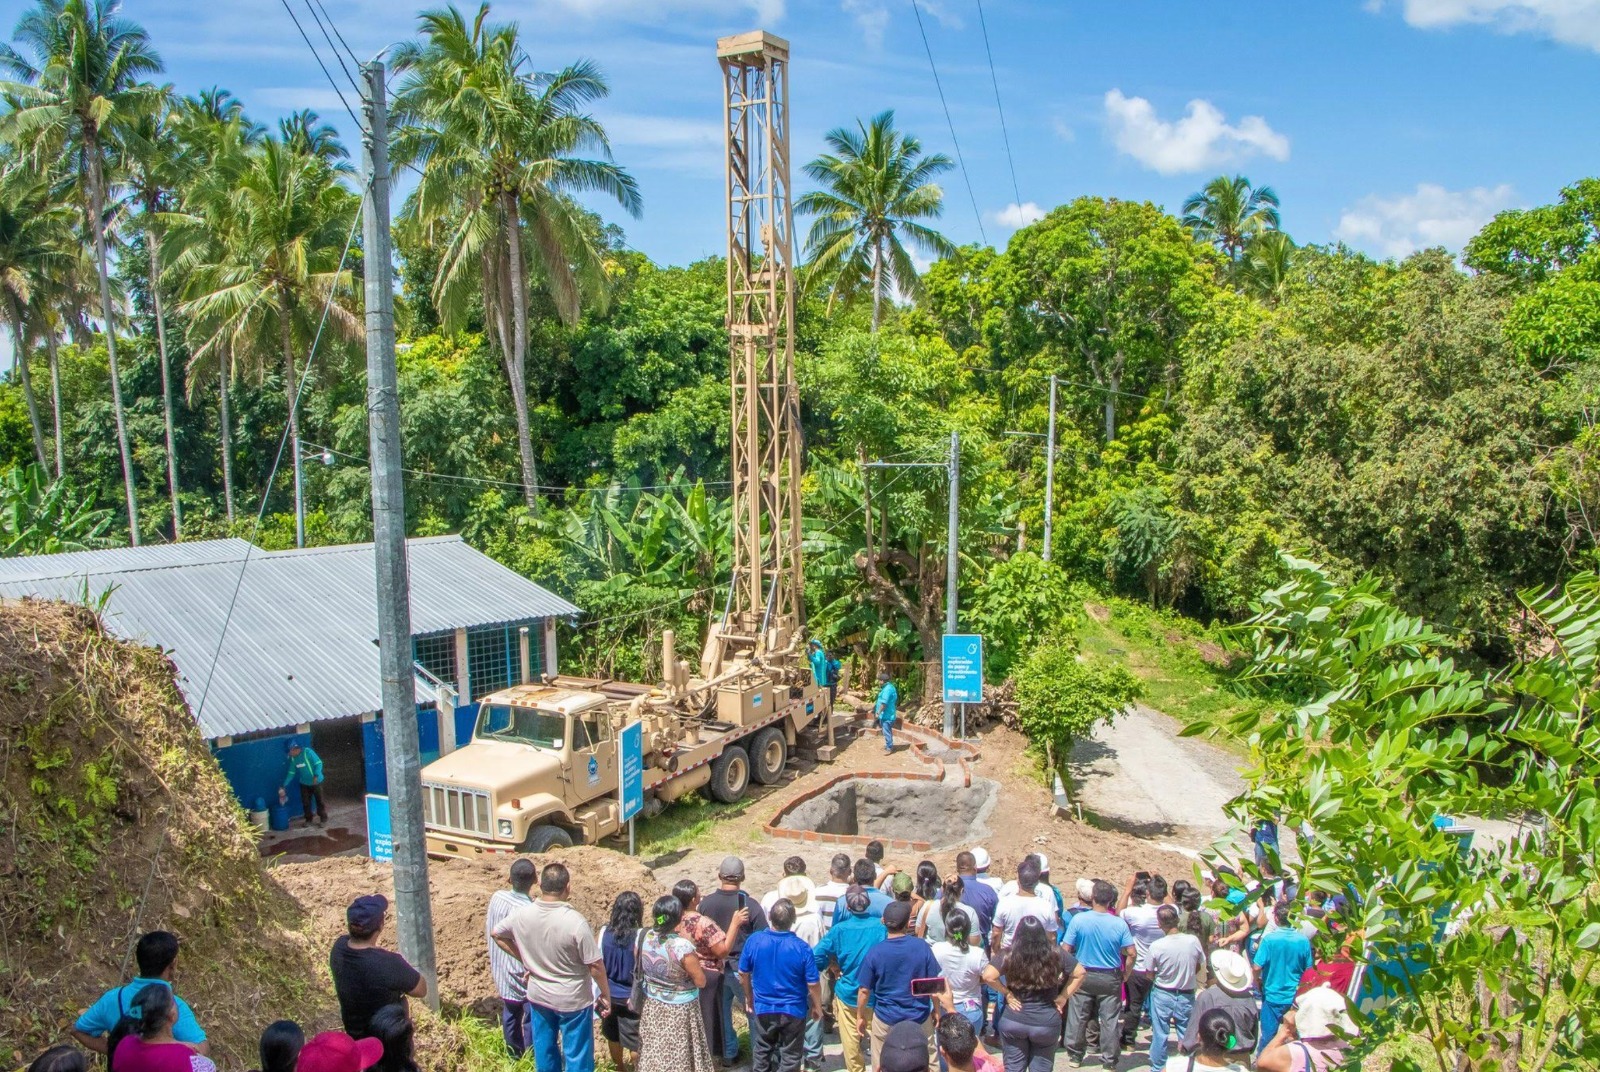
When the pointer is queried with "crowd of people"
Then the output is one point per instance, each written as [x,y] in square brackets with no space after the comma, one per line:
[910,969]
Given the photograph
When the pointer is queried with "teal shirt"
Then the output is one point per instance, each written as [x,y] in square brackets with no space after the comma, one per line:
[1283,956]
[846,944]
[819,666]
[888,702]
[306,768]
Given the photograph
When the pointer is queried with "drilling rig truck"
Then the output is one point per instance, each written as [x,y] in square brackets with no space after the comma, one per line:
[541,770]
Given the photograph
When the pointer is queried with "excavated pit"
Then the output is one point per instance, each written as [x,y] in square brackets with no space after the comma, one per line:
[942,814]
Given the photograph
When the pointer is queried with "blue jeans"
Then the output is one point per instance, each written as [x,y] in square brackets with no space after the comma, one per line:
[888,735]
[813,1058]
[514,1026]
[731,992]
[562,1041]
[1168,1008]
[1271,1016]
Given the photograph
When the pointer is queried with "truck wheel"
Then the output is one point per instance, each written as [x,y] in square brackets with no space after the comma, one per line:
[769,752]
[730,775]
[545,838]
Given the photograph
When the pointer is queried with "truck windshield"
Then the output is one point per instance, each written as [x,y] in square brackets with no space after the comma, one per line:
[522,724]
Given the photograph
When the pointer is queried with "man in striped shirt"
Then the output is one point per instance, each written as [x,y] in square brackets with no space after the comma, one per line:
[507,971]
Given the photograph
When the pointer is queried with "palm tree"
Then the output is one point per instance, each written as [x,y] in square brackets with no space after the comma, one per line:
[36,245]
[78,89]
[305,132]
[1228,212]
[260,291]
[879,185]
[152,158]
[496,145]
[1269,262]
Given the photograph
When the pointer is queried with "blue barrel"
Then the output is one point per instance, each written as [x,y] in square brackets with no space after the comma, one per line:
[277,816]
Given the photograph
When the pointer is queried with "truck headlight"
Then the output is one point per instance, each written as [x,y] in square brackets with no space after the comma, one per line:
[504,827]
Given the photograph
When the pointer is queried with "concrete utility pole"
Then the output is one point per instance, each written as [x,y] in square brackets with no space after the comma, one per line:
[413,907]
[299,496]
[952,566]
[1050,470]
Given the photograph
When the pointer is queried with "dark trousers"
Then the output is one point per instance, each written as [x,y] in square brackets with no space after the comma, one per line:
[309,795]
[1028,1037]
[1098,1001]
[514,1026]
[777,1042]
[711,1010]
[1139,984]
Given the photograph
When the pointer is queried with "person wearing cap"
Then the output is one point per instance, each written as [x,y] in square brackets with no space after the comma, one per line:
[367,978]
[904,1049]
[1311,1036]
[980,860]
[1230,993]
[564,973]
[503,967]
[1104,946]
[794,865]
[336,1051]
[722,905]
[1283,956]
[883,983]
[886,708]
[854,934]
[304,768]
[783,991]
[1084,888]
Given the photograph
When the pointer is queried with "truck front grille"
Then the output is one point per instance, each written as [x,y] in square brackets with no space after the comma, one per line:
[457,809]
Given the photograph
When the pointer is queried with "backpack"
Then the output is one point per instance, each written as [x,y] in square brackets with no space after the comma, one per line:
[127,1024]
[832,676]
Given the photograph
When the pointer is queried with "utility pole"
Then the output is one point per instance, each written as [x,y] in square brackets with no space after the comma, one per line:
[1050,470]
[413,907]
[299,497]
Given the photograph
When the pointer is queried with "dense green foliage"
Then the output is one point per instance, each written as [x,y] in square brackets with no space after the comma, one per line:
[1062,696]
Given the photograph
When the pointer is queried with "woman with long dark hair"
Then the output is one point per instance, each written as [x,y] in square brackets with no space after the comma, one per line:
[280,1046]
[150,1047]
[619,947]
[934,920]
[392,1026]
[672,1034]
[1040,977]
[964,966]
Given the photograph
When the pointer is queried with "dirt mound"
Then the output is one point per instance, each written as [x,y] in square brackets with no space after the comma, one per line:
[461,890]
[120,822]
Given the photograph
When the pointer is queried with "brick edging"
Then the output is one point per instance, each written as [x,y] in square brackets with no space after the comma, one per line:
[773,830]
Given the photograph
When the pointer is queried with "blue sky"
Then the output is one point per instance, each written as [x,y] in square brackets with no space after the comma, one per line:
[1389,124]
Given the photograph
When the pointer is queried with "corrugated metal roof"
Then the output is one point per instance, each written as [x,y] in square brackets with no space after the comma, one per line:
[301,645]
[120,559]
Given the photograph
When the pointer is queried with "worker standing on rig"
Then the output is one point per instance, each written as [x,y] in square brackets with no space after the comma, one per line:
[886,707]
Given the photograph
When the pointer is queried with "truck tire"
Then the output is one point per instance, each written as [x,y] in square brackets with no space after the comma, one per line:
[730,775]
[769,753]
[544,838]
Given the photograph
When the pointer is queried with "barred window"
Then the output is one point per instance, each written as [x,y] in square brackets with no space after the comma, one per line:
[494,656]
[436,653]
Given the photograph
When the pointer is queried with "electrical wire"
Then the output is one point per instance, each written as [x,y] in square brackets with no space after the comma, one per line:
[951,123]
[326,36]
[318,57]
[519,485]
[1016,188]
[335,27]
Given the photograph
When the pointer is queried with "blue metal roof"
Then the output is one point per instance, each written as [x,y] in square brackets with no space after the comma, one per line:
[301,643]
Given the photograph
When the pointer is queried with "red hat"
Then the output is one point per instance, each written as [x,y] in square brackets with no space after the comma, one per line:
[335,1051]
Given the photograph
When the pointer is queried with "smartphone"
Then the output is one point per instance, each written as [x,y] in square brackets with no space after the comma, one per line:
[927,988]
[1142,876]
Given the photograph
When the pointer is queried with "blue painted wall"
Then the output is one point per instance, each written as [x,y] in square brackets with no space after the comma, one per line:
[377,767]
[256,768]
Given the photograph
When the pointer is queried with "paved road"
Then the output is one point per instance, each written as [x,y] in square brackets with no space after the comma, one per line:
[1139,776]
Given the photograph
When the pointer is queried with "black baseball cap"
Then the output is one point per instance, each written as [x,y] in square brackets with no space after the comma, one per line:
[905,1049]
[897,916]
[366,913]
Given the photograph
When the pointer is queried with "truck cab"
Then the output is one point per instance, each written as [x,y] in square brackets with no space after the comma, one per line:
[539,773]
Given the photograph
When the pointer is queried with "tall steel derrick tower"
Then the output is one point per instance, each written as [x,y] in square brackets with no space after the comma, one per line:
[766,611]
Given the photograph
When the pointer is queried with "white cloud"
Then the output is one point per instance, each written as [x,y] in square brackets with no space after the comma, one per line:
[664,141]
[872,19]
[1429,216]
[1572,22]
[1202,139]
[1015,216]
[1063,130]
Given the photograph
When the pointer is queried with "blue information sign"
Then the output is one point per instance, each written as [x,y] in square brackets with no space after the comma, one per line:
[963,668]
[630,764]
[380,835]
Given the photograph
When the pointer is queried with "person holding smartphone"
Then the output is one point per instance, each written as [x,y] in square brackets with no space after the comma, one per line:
[740,916]
[899,980]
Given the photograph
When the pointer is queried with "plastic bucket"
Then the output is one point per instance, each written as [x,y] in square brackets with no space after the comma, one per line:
[278,816]
[258,814]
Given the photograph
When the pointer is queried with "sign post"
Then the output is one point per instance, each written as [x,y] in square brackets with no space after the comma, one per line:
[380,830]
[630,775]
[963,671]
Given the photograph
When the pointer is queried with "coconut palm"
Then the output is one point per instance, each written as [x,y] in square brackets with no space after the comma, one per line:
[1228,212]
[879,186]
[1269,262]
[497,146]
[36,244]
[305,132]
[78,86]
[259,292]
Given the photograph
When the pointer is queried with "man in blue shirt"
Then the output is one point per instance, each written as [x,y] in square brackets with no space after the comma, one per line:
[1104,946]
[155,954]
[865,873]
[884,980]
[1283,956]
[1264,836]
[304,769]
[886,708]
[782,986]
[853,935]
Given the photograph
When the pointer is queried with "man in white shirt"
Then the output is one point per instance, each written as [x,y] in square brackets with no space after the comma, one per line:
[794,865]
[506,969]
[1028,900]
[831,891]
[1176,960]
[980,856]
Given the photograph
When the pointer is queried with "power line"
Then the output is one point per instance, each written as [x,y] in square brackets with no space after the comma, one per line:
[1016,189]
[951,123]
[318,57]
[326,36]
[335,27]
[519,485]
